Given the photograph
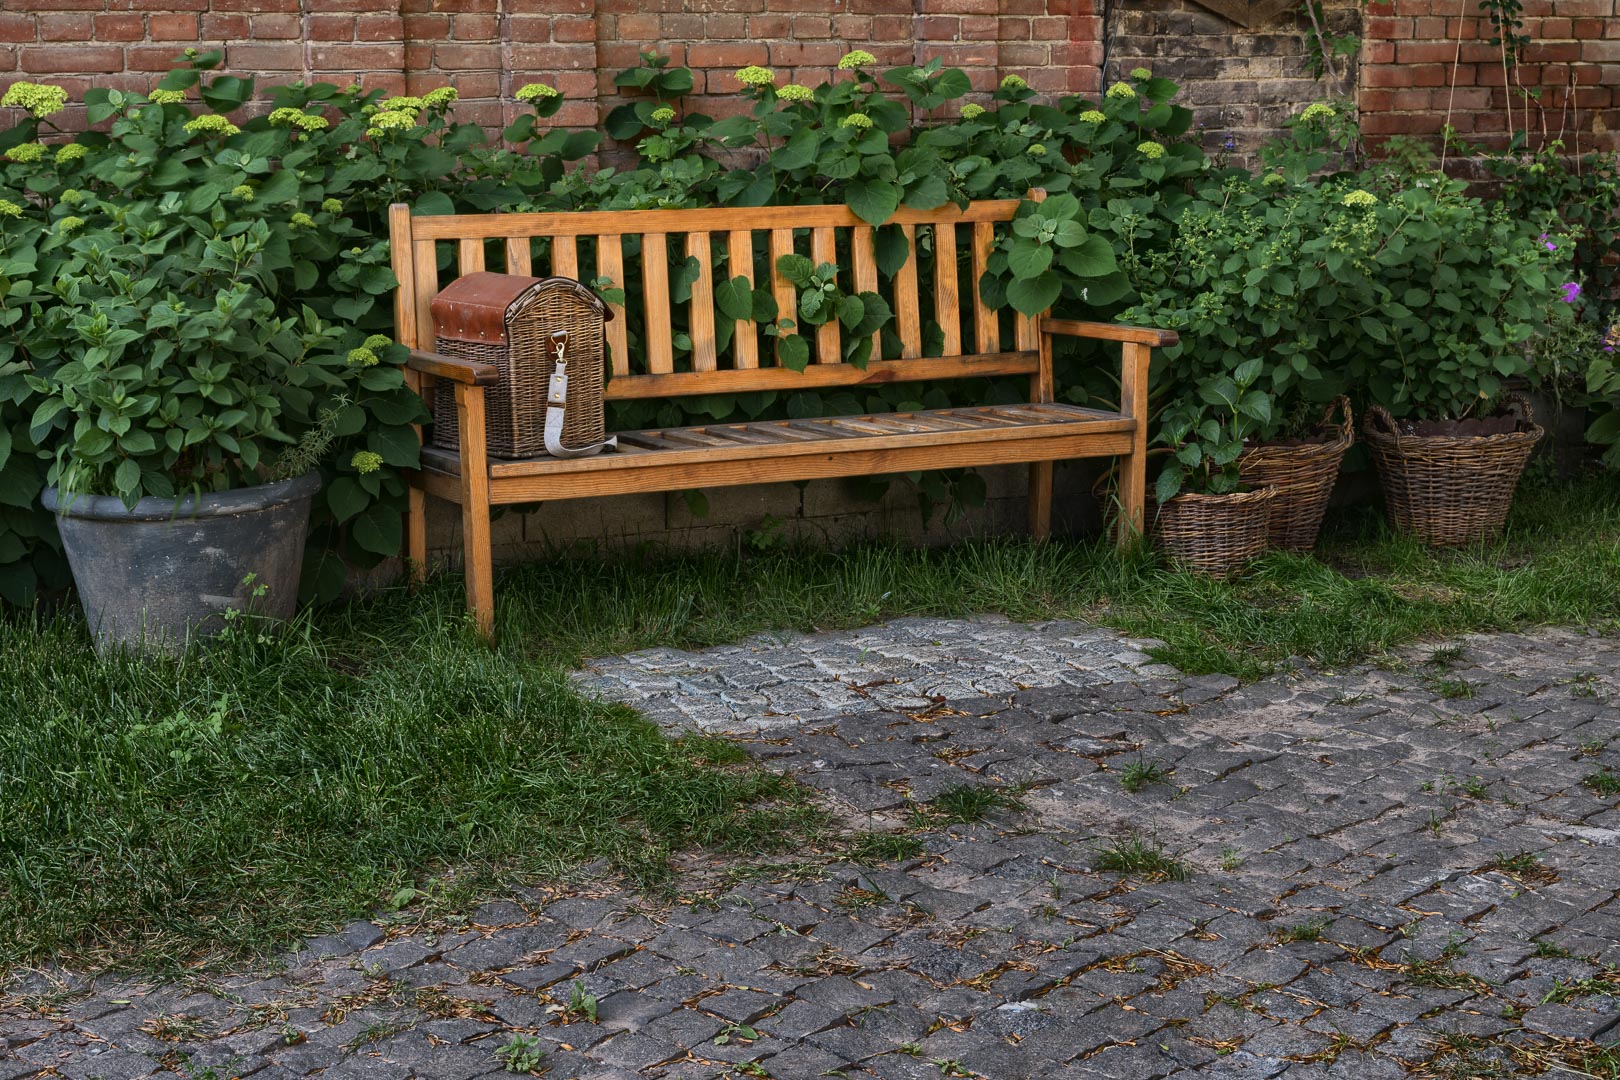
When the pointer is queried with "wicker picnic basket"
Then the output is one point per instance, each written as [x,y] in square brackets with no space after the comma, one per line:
[1451,489]
[1214,534]
[521,324]
[1303,475]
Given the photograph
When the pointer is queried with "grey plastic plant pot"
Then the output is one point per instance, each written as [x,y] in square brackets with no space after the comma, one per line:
[155,575]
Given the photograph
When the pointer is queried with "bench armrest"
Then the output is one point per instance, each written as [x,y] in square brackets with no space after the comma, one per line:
[1139,335]
[448,367]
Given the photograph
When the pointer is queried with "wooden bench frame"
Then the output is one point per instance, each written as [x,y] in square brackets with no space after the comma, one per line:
[1038,434]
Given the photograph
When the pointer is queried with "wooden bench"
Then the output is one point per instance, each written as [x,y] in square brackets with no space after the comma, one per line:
[1039,432]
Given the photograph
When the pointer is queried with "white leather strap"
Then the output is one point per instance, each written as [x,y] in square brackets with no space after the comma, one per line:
[556,402]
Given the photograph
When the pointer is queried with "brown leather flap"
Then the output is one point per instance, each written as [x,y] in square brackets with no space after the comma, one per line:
[473,307]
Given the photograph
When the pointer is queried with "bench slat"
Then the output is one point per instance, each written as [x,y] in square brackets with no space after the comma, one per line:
[986,322]
[740,263]
[610,264]
[824,249]
[565,257]
[863,264]
[425,257]
[718,219]
[700,312]
[469,256]
[519,260]
[666,447]
[907,310]
[787,300]
[818,376]
[945,305]
[655,291]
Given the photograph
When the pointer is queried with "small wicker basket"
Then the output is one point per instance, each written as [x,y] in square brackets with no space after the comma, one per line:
[1213,534]
[1303,476]
[513,322]
[1449,490]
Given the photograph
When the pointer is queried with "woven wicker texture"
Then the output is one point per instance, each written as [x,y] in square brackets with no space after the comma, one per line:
[1450,490]
[1303,477]
[516,405]
[1214,534]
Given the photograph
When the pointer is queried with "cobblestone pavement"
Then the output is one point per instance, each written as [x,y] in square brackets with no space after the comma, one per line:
[1360,874]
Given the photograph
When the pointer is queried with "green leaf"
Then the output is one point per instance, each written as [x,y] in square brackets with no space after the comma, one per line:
[796,268]
[377,530]
[227,93]
[1028,258]
[346,498]
[127,477]
[851,309]
[399,446]
[873,201]
[1092,259]
[1169,485]
[793,351]
[735,298]
[1032,296]
[892,250]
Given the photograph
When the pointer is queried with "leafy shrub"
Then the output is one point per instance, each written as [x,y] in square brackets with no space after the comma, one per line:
[308,186]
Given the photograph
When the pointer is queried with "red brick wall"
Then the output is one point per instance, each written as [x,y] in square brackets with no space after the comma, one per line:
[1427,61]
[1242,81]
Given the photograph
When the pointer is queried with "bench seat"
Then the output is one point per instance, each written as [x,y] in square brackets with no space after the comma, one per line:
[715,455]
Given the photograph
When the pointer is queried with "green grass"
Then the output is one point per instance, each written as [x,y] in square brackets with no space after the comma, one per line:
[201,810]
[219,805]
[963,805]
[1135,855]
[1369,591]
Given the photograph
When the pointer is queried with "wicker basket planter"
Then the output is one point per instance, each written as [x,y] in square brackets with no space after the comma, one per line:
[1303,475]
[1214,534]
[1451,489]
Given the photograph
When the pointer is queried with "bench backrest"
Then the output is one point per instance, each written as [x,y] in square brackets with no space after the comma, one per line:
[972,340]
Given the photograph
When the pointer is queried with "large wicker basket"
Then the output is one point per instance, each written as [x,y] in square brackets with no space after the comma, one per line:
[1214,534]
[1303,476]
[1451,489]
[512,322]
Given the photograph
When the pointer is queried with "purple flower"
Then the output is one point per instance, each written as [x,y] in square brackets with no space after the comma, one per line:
[1570,291]
[1612,337]
[1230,144]
[1550,245]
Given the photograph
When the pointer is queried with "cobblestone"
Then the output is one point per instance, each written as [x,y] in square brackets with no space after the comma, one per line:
[1378,876]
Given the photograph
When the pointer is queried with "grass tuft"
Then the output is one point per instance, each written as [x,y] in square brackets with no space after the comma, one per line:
[1136,855]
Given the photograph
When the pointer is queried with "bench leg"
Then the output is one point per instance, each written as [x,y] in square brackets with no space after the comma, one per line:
[416,534]
[1040,500]
[1133,402]
[475,538]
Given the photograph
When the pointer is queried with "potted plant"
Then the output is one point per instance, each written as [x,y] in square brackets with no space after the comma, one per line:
[189,414]
[1457,294]
[1208,519]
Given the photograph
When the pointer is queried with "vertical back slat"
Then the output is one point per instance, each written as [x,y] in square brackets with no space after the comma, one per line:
[701,312]
[787,300]
[655,290]
[950,319]
[824,249]
[610,264]
[565,257]
[907,306]
[518,259]
[425,256]
[986,323]
[740,263]
[863,266]
[401,249]
[469,255]
[1027,329]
